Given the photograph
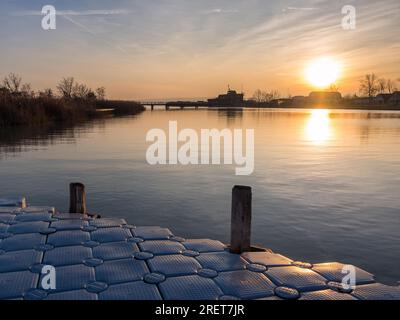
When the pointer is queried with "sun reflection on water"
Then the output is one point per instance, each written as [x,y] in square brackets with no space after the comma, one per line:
[318,129]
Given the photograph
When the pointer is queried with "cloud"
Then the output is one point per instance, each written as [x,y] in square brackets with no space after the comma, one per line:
[221,11]
[80,25]
[113,12]
[299,9]
[88,30]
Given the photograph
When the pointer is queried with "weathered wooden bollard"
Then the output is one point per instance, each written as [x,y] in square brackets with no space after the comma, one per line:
[77,198]
[241,219]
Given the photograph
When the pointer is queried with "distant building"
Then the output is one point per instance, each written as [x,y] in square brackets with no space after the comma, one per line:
[361,101]
[383,98]
[395,98]
[324,97]
[230,99]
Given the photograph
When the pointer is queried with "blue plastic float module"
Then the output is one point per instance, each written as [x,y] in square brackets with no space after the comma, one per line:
[107,259]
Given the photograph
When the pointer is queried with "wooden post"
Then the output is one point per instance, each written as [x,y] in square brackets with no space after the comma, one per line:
[241,219]
[77,198]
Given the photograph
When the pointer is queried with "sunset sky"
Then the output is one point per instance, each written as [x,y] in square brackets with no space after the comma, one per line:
[193,49]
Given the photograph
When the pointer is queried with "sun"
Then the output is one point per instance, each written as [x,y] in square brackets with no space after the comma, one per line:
[323,72]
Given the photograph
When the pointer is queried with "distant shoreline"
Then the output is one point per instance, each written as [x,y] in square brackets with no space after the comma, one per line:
[346,108]
[332,107]
[315,100]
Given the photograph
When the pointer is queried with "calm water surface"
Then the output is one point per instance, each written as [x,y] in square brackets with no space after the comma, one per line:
[326,184]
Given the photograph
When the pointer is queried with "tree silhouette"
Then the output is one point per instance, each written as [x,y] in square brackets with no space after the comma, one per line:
[369,85]
[382,85]
[101,93]
[80,91]
[265,96]
[66,87]
[12,83]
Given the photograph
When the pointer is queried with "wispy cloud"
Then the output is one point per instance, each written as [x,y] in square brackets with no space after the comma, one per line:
[299,9]
[88,30]
[80,25]
[113,12]
[221,11]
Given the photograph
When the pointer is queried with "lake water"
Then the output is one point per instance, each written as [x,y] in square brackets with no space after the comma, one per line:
[326,185]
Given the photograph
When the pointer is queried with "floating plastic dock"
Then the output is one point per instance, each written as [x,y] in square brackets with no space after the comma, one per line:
[108,259]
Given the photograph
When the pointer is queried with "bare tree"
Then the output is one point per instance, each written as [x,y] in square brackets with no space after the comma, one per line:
[26,90]
[66,87]
[265,96]
[369,85]
[272,95]
[382,85]
[12,82]
[258,96]
[80,91]
[101,93]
